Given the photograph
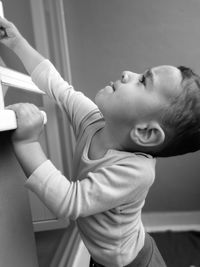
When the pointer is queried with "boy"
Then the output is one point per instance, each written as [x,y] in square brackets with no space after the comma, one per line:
[118,139]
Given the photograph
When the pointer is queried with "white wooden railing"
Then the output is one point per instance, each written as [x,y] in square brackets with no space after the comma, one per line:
[18,80]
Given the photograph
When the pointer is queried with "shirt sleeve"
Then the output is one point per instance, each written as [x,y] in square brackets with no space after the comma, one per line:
[76,105]
[102,190]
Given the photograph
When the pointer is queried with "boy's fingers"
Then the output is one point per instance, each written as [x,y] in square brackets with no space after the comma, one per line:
[4,23]
[3,32]
[13,106]
[20,107]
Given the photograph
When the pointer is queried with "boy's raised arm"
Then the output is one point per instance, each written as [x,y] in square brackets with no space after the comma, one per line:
[12,38]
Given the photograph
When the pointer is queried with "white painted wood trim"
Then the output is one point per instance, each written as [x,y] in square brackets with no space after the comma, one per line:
[19,80]
[42,45]
[82,256]
[172,221]
[1,10]
[16,79]
[67,249]
[52,128]
[1,97]
[59,41]
[60,54]
[51,224]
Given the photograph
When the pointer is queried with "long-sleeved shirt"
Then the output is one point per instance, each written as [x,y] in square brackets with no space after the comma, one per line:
[106,195]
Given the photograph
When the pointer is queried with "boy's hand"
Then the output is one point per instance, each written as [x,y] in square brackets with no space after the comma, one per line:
[12,38]
[9,34]
[29,123]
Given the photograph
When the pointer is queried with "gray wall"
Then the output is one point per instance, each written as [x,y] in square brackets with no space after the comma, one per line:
[17,243]
[107,37]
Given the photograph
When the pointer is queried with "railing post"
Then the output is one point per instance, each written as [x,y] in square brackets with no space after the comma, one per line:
[1,97]
[7,117]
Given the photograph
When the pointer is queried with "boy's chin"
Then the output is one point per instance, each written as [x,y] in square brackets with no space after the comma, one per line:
[98,95]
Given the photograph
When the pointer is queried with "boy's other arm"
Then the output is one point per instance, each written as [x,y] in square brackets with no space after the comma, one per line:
[12,38]
[73,199]
[25,138]
[30,156]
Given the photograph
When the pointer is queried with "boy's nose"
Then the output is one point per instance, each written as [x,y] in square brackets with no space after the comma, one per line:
[128,75]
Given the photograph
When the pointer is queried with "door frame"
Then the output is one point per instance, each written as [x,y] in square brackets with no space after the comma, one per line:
[50,36]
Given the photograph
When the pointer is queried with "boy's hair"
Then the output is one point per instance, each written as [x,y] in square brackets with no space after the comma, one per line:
[182,118]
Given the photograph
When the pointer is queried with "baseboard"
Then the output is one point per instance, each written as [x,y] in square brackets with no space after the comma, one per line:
[174,221]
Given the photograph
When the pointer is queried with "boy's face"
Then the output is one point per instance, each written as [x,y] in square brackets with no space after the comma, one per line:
[139,97]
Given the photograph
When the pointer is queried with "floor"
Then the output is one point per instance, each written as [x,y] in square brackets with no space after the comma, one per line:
[179,249]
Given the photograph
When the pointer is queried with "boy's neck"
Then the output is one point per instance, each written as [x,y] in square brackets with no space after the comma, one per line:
[110,139]
[117,140]
[101,142]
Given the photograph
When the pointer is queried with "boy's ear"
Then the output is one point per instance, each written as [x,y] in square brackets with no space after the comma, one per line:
[147,134]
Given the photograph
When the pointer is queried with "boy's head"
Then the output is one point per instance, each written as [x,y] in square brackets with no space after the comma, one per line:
[183,117]
[157,112]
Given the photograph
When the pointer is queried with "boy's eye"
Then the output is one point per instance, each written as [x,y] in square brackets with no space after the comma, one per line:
[143,80]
